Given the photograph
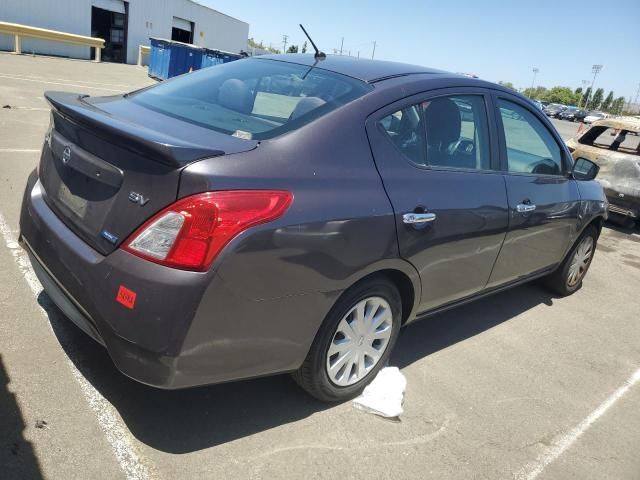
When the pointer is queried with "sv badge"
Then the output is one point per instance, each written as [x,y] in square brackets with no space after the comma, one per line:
[138,198]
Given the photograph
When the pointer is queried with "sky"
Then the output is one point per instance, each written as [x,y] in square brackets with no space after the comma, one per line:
[496,40]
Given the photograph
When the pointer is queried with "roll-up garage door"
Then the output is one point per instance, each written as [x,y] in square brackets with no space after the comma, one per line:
[182,30]
[111,5]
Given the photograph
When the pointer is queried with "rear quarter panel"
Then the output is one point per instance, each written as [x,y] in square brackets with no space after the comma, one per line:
[274,284]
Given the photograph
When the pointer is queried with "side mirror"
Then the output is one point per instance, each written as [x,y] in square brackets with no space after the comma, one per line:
[584,169]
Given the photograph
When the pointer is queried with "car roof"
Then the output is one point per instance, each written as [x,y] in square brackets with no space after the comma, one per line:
[363,69]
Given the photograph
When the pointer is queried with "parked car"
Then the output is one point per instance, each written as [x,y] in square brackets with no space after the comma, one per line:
[538,104]
[553,109]
[614,144]
[580,115]
[204,230]
[567,114]
[594,116]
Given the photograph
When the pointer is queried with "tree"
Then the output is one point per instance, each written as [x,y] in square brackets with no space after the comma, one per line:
[507,85]
[253,44]
[617,105]
[606,105]
[597,99]
[304,47]
[292,49]
[562,95]
[534,93]
[578,91]
[586,97]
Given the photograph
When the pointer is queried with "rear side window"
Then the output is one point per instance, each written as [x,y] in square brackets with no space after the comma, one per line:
[446,132]
[530,146]
[252,99]
[624,141]
[405,129]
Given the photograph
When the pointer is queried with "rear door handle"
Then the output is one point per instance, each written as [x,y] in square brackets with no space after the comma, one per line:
[525,207]
[418,218]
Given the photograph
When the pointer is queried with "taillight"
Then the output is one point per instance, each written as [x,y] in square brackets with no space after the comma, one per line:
[190,233]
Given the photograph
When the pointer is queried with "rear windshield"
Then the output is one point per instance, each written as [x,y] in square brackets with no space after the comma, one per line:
[253,98]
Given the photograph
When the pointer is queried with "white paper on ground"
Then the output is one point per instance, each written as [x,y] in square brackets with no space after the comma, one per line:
[385,395]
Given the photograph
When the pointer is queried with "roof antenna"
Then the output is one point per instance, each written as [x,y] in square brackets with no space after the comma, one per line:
[318,55]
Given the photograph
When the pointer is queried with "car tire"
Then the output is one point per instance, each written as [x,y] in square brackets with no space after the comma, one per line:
[348,379]
[567,278]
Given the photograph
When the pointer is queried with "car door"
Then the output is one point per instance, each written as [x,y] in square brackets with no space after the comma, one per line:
[543,198]
[438,159]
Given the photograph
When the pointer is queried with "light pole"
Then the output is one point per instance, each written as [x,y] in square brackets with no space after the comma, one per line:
[535,74]
[582,97]
[595,69]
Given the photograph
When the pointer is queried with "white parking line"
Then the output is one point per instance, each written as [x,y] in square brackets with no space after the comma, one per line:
[34,77]
[22,79]
[108,418]
[19,150]
[559,446]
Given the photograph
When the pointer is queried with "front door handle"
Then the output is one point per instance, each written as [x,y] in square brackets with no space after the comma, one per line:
[525,207]
[418,218]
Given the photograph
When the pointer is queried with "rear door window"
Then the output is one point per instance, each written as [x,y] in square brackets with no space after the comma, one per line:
[404,128]
[448,131]
[530,146]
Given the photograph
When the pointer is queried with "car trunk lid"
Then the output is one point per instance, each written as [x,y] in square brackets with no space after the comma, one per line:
[108,164]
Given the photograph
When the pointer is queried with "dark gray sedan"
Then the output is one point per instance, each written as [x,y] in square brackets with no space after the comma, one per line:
[290,214]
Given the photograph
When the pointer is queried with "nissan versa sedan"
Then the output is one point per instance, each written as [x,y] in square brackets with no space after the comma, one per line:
[291,213]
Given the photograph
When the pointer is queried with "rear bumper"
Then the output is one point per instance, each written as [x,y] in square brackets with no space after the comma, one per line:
[185,329]
[138,363]
[60,297]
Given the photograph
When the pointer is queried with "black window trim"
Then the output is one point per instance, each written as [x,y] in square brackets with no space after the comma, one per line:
[567,164]
[417,98]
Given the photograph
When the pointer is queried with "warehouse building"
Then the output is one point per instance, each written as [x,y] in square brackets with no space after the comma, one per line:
[124,25]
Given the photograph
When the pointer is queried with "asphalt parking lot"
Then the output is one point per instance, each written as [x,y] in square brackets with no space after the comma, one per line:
[520,385]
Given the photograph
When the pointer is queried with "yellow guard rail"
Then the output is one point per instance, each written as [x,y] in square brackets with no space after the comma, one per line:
[19,31]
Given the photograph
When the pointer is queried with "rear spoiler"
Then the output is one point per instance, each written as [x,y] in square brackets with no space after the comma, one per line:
[132,136]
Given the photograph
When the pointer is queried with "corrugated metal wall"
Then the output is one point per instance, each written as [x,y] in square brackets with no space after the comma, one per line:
[147,18]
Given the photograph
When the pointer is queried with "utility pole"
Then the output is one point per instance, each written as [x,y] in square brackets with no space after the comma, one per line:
[341,45]
[584,92]
[635,102]
[535,74]
[284,43]
[595,69]
[373,54]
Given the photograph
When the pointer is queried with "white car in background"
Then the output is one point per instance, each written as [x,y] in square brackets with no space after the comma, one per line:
[594,116]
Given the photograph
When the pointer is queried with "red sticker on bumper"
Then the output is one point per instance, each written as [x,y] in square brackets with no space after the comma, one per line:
[126,297]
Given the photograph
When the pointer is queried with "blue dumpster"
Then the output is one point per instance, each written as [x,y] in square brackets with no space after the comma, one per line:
[169,58]
[159,58]
[212,57]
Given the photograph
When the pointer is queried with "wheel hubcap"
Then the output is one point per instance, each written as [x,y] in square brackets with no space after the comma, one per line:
[580,261]
[359,341]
